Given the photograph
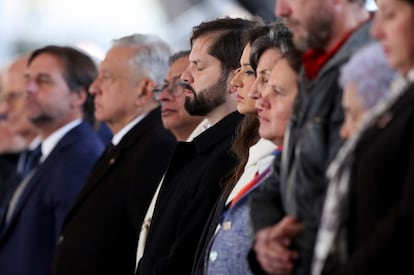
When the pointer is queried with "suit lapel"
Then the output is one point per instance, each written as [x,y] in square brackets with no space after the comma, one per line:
[396,110]
[108,163]
[34,182]
[104,165]
[43,168]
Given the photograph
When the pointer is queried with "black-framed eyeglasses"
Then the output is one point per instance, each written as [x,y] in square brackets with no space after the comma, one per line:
[174,88]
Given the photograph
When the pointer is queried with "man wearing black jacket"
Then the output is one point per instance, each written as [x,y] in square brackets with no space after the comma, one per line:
[100,232]
[192,182]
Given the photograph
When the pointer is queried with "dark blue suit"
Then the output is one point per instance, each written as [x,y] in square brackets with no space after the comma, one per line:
[28,240]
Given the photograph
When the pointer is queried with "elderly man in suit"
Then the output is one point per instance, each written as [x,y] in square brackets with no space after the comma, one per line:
[57,82]
[100,233]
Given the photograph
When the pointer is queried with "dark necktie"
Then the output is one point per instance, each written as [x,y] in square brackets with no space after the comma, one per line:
[110,154]
[109,151]
[31,160]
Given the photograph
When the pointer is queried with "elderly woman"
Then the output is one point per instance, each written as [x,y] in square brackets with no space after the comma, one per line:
[365,80]
[373,200]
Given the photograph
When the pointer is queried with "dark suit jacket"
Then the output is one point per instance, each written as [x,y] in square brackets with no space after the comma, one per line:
[189,191]
[27,242]
[381,222]
[100,233]
[8,167]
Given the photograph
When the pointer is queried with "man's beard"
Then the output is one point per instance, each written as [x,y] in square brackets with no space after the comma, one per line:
[208,99]
[319,31]
[41,119]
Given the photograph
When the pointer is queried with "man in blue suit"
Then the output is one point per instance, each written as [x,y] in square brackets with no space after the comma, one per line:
[57,83]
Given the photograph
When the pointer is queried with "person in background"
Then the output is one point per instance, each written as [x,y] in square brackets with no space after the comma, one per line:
[14,96]
[328,32]
[191,184]
[365,79]
[171,95]
[10,142]
[22,133]
[372,202]
[11,145]
[100,232]
[174,118]
[57,83]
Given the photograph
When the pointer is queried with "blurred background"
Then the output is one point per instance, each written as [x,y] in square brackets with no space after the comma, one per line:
[92,24]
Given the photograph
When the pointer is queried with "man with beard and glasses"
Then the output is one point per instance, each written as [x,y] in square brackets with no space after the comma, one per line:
[192,183]
[328,32]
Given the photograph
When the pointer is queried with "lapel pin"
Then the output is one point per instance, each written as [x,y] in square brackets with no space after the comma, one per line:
[111,161]
[383,121]
[227,225]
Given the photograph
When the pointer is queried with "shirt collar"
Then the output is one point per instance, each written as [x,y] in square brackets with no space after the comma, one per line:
[50,142]
[410,75]
[313,60]
[34,143]
[204,125]
[118,136]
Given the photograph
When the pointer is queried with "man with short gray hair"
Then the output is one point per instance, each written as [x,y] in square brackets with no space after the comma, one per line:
[99,235]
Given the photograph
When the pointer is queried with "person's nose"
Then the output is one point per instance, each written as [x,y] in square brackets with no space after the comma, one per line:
[282,8]
[187,77]
[345,131]
[254,92]
[165,94]
[236,81]
[94,87]
[376,30]
[31,87]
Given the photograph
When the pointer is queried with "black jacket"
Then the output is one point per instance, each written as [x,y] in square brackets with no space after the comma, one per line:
[190,189]
[100,233]
[381,220]
[311,143]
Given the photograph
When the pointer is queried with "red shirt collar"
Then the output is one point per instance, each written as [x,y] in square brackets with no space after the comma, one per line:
[314,59]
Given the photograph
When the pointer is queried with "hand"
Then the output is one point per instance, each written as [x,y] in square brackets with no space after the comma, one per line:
[272,246]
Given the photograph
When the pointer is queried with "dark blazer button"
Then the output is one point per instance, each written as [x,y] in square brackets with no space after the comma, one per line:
[60,239]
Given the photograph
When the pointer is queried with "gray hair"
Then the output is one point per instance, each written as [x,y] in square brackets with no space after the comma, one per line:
[152,54]
[369,72]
